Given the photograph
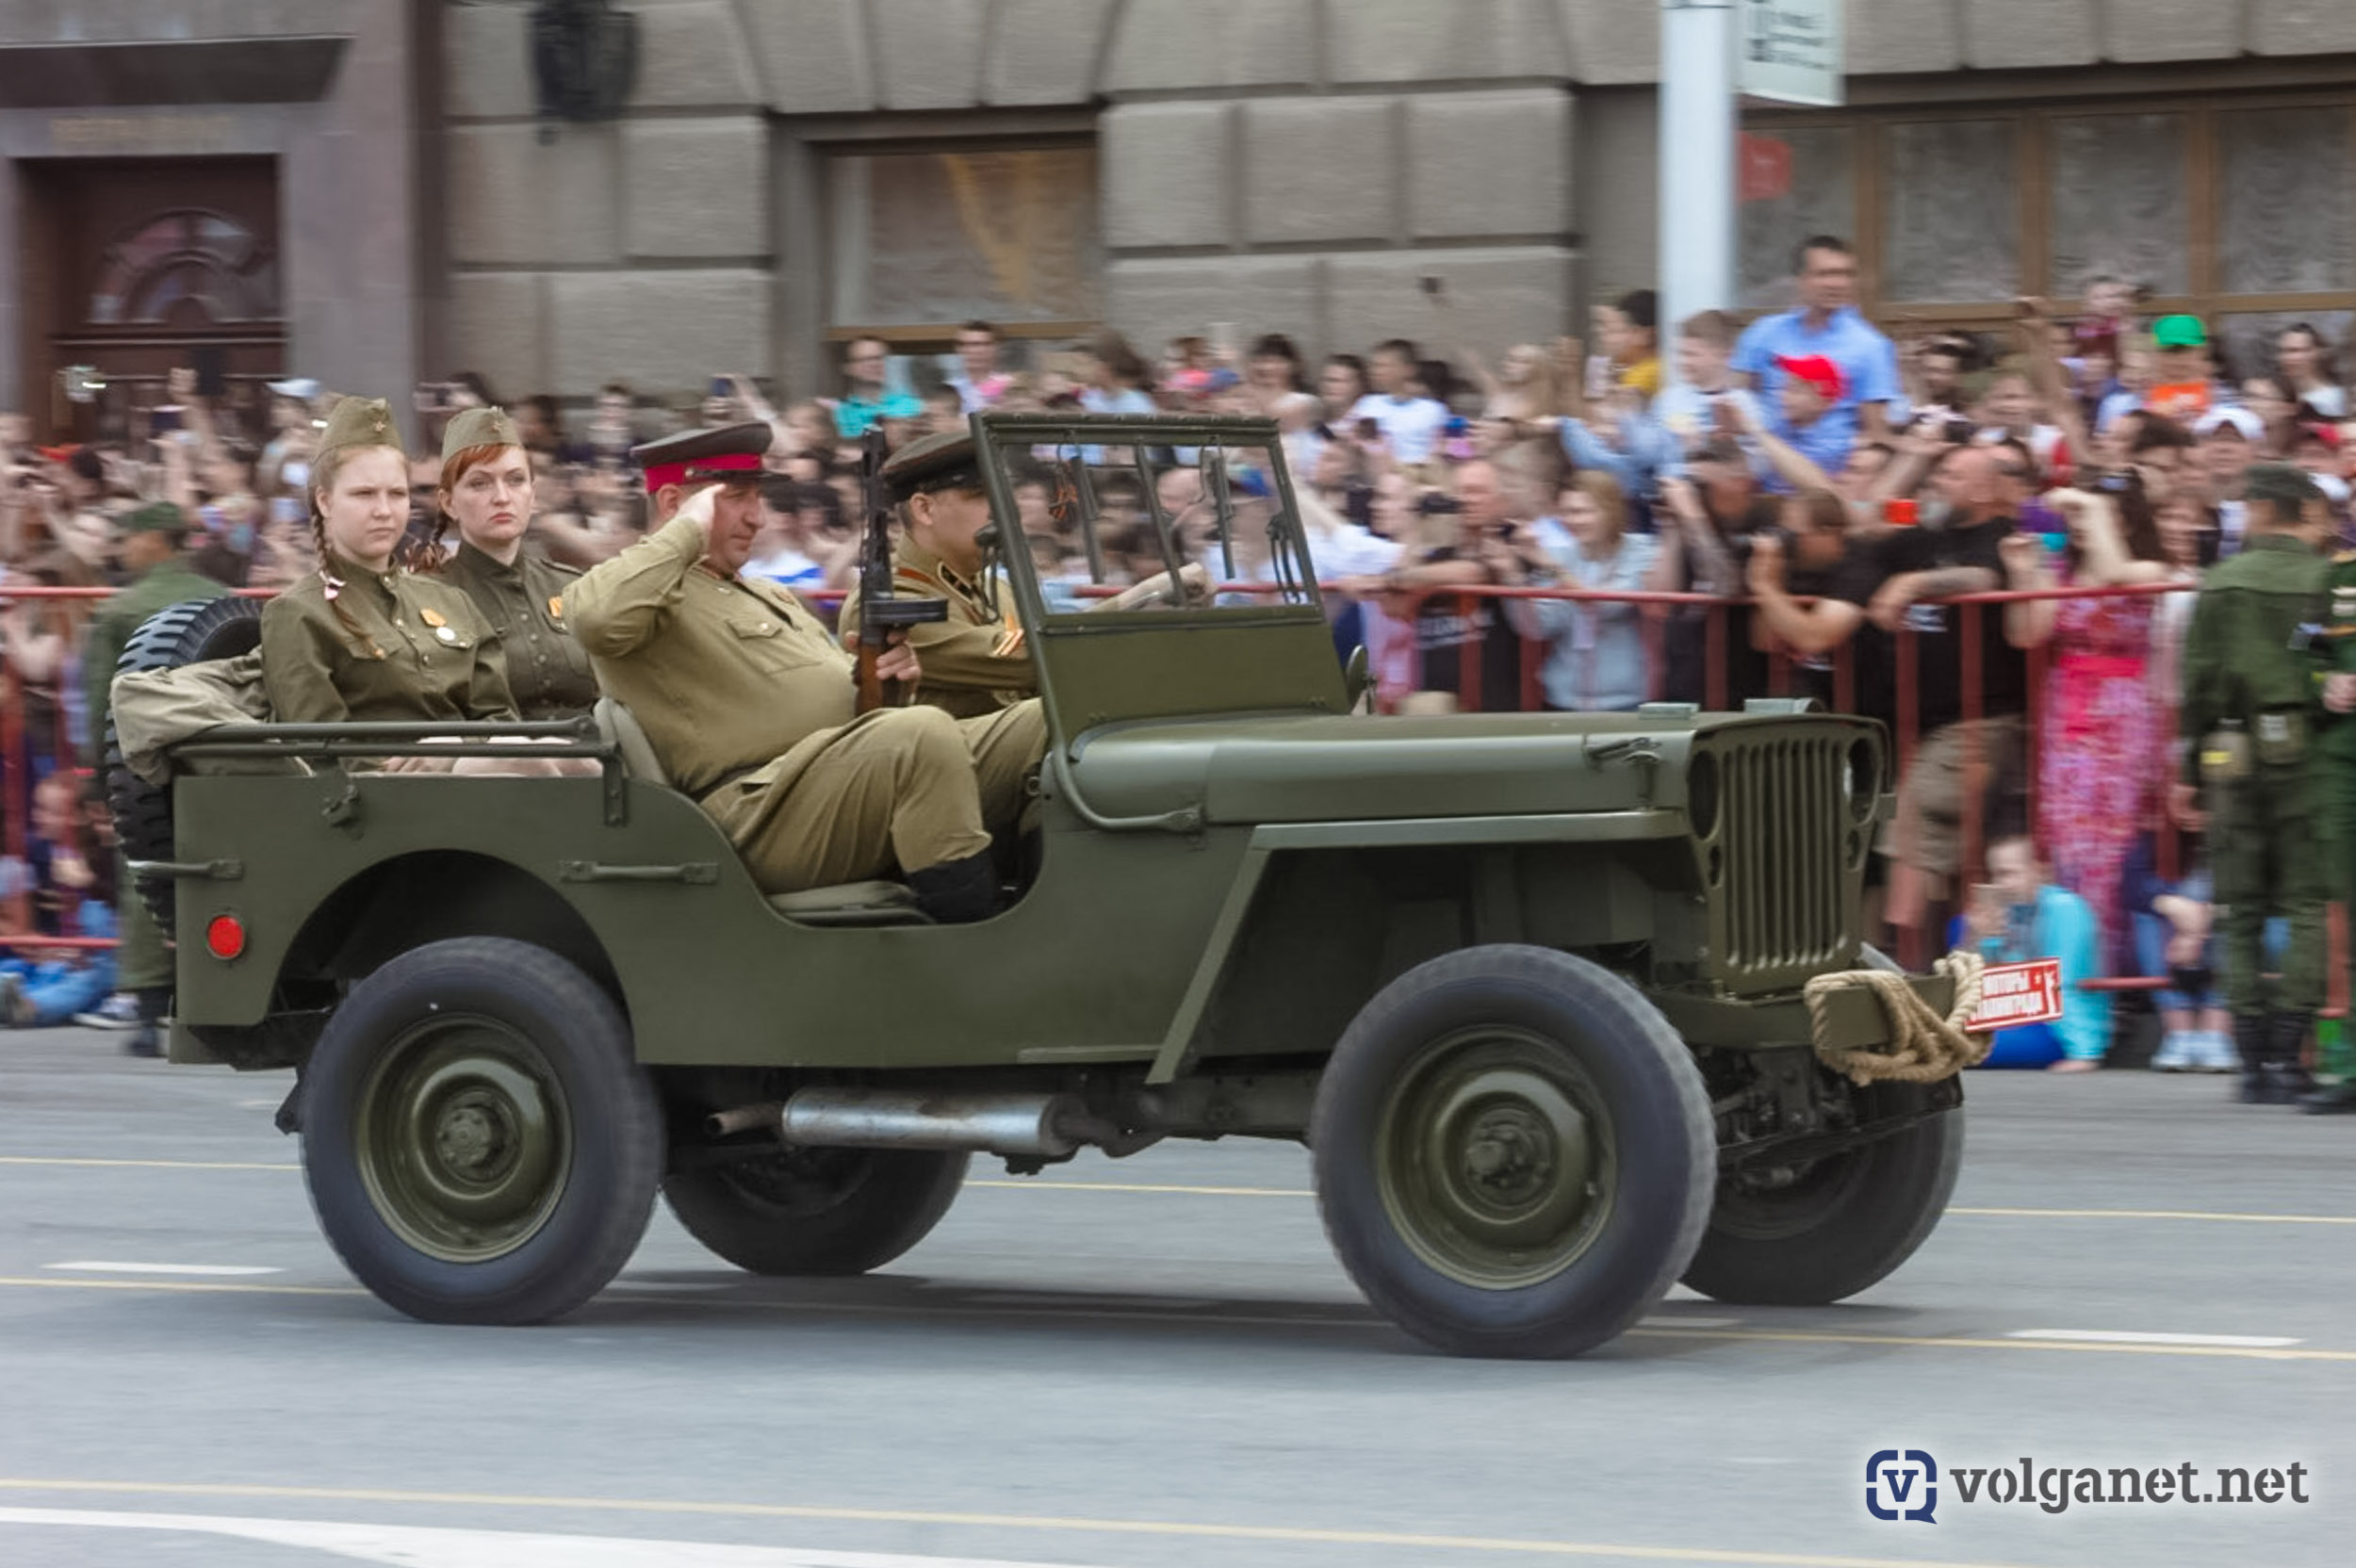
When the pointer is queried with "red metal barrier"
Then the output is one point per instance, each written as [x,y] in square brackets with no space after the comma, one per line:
[15,761]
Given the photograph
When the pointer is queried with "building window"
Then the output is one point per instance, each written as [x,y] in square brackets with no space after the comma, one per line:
[2239,209]
[923,241]
[188,259]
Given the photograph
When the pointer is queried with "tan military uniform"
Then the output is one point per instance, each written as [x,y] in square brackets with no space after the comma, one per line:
[975,662]
[414,648]
[548,669]
[747,700]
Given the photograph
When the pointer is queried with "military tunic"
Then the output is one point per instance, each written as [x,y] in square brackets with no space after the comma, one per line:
[142,961]
[2271,840]
[748,702]
[976,661]
[547,670]
[414,648]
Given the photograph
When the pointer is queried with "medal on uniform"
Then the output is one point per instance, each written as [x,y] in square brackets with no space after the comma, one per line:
[556,607]
[446,634]
[433,617]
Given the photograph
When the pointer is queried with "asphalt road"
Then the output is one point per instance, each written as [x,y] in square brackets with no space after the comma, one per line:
[1155,1361]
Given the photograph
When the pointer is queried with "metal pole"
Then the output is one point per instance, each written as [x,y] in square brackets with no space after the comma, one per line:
[1697,148]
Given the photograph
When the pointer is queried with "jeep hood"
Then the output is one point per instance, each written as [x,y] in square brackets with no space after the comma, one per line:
[1341,768]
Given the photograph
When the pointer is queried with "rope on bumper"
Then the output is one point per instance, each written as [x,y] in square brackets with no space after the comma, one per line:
[1923,1047]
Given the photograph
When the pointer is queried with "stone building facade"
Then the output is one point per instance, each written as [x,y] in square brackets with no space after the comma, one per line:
[786,171]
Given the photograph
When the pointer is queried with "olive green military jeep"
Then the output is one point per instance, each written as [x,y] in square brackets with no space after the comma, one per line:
[1528,985]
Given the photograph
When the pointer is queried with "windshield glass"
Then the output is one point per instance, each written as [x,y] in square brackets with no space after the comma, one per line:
[1156,527]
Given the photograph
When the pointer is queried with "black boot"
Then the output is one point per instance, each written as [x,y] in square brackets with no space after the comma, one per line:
[2250,1041]
[154,1006]
[2286,1044]
[956,892]
[2338,1099]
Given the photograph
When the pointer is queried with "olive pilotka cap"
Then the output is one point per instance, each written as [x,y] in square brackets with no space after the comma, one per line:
[358,422]
[941,462]
[479,426]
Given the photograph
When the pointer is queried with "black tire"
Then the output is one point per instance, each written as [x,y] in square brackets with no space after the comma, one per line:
[816,1211]
[1513,1152]
[185,634]
[1844,1225]
[479,1145]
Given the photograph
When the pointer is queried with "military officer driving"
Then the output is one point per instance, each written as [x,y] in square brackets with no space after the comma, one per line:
[974,662]
[748,702]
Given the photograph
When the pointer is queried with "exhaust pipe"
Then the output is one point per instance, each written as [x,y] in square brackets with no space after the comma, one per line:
[1051,1126]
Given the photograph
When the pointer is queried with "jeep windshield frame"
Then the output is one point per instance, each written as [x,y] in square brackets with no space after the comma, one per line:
[1269,649]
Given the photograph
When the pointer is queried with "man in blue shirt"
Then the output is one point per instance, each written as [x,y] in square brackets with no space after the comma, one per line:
[1826,325]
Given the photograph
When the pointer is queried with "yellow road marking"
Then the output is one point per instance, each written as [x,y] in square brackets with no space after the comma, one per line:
[1295,1534]
[1080,1307]
[1035,1184]
[150,1164]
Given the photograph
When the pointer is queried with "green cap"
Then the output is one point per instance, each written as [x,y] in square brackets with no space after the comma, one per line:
[479,426]
[2179,331]
[2287,487]
[940,461]
[359,422]
[156,517]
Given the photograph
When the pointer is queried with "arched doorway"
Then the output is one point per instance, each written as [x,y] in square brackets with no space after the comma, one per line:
[144,266]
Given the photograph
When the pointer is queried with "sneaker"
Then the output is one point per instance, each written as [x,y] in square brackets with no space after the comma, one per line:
[2213,1051]
[2179,1051]
[118,1011]
[146,1041]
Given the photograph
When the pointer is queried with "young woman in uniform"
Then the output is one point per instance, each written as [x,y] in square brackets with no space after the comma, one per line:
[486,489]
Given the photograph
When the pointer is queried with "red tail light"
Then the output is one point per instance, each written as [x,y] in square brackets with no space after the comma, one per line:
[224,937]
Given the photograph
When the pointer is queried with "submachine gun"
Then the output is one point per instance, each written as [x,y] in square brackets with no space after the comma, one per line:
[882,612]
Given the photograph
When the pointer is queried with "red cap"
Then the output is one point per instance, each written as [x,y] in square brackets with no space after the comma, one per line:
[729,467]
[1818,371]
[2319,430]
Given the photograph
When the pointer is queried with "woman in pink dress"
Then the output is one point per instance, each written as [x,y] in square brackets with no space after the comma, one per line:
[2102,739]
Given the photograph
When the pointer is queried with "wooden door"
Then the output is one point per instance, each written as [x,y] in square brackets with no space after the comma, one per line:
[139,266]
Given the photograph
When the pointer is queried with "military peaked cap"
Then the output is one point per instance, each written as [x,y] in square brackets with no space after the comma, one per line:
[731,455]
[2287,487]
[942,461]
[158,517]
[479,426]
[359,422]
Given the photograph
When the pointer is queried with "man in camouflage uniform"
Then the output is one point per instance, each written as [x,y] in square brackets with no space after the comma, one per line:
[161,578]
[2251,703]
[2336,677]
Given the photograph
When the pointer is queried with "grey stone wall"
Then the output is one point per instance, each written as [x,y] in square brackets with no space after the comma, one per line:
[1296,165]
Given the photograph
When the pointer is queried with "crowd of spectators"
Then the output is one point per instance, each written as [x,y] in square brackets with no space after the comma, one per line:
[1792,511]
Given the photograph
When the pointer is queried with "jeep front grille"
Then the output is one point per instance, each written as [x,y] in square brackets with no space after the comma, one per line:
[1787,853]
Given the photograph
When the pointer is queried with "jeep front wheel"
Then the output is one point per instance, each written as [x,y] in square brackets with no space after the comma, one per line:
[1830,1229]
[479,1145]
[816,1211]
[1513,1152]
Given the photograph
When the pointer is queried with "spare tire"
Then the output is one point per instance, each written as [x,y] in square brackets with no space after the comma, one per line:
[185,634]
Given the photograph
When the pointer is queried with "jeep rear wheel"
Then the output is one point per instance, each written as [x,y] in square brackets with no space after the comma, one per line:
[1513,1152]
[479,1145]
[1838,1225]
[816,1211]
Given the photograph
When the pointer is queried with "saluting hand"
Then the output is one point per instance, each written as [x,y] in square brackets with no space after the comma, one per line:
[696,508]
[2339,693]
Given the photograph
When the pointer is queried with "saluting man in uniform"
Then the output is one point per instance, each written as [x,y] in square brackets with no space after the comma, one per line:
[975,662]
[748,702]
[2251,702]
[151,549]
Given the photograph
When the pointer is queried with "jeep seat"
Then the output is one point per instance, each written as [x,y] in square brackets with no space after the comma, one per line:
[873,903]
